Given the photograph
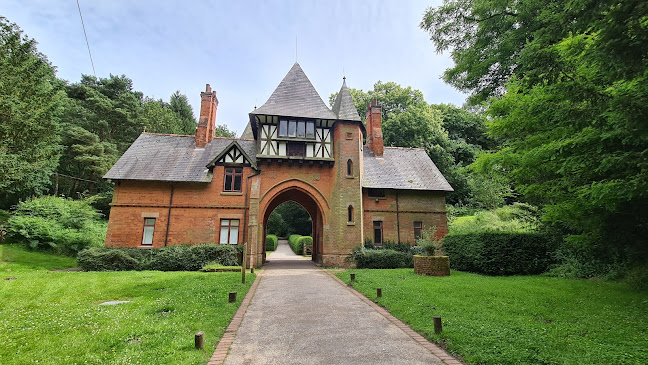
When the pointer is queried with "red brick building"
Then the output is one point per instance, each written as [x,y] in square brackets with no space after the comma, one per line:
[173,189]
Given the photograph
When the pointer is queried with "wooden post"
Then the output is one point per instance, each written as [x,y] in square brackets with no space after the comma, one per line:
[251,270]
[438,327]
[379,292]
[243,263]
[352,277]
[200,340]
[232,297]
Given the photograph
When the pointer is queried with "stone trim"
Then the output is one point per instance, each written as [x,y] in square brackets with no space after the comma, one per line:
[166,206]
[403,211]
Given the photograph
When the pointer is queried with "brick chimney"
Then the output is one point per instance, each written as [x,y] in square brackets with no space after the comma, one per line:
[374,129]
[207,120]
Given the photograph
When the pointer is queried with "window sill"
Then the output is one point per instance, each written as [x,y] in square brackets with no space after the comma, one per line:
[377,198]
[232,193]
[350,223]
[148,247]
[350,177]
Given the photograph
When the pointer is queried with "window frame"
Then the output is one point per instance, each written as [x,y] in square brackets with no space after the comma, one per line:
[233,173]
[229,227]
[349,168]
[296,129]
[418,231]
[378,225]
[147,225]
[350,217]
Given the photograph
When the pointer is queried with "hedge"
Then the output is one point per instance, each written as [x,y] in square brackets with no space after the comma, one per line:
[382,259]
[499,253]
[271,242]
[295,243]
[172,258]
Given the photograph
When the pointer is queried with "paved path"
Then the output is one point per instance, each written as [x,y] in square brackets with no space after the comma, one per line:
[300,315]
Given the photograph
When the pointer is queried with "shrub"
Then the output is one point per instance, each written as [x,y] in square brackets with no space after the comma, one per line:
[499,253]
[306,241]
[271,242]
[511,218]
[57,224]
[172,258]
[382,259]
[294,240]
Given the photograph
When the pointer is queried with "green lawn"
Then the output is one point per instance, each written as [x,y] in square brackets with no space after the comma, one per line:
[519,319]
[54,317]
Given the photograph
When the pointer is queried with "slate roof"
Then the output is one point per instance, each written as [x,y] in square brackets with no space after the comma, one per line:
[344,107]
[247,132]
[402,168]
[296,97]
[164,157]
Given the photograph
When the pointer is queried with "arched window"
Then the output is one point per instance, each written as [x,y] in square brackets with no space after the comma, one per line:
[349,167]
[350,214]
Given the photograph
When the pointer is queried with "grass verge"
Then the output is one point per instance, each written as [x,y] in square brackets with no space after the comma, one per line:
[517,319]
[55,317]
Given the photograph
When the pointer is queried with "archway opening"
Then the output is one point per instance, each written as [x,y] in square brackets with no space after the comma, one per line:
[295,202]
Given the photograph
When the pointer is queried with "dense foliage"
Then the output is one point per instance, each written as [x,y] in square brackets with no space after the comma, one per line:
[499,253]
[57,224]
[566,83]
[271,242]
[172,258]
[297,243]
[381,259]
[290,218]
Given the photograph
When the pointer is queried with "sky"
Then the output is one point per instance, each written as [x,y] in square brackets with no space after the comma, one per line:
[243,49]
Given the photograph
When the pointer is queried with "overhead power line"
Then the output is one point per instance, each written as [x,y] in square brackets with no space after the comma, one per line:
[86,38]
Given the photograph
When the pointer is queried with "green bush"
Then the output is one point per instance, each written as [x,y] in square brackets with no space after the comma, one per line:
[499,253]
[294,240]
[172,258]
[511,218]
[56,224]
[382,259]
[306,241]
[271,242]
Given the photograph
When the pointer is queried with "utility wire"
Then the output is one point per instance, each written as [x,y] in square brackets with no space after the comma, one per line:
[86,38]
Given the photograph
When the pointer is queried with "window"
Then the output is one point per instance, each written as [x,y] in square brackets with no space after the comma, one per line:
[292,128]
[376,193]
[301,129]
[418,230]
[283,128]
[349,167]
[229,231]
[149,227]
[378,232]
[350,214]
[310,130]
[233,178]
[297,129]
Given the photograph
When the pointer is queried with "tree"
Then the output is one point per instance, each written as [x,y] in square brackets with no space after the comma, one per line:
[181,107]
[569,82]
[221,130]
[30,107]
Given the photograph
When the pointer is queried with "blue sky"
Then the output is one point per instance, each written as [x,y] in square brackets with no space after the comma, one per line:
[242,48]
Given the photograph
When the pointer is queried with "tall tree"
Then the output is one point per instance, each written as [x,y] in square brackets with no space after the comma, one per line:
[180,105]
[570,82]
[30,107]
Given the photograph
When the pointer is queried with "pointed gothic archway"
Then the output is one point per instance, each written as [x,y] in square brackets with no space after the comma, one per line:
[302,194]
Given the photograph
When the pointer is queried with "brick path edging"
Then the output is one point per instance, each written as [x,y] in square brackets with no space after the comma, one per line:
[432,347]
[220,352]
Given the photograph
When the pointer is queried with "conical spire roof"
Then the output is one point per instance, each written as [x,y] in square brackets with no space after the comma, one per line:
[344,107]
[296,97]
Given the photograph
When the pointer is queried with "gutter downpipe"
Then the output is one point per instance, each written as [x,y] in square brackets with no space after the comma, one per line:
[397,219]
[166,236]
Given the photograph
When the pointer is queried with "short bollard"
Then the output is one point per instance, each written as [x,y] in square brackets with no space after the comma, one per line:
[200,340]
[251,270]
[352,277]
[379,292]
[232,297]
[438,327]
